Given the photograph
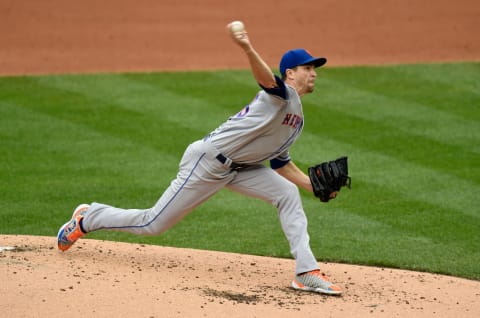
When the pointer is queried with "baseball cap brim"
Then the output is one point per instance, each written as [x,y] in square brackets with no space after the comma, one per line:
[317,62]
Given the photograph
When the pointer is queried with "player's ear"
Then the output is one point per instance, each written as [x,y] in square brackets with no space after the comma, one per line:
[289,73]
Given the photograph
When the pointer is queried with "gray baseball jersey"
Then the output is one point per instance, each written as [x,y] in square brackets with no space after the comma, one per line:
[264,129]
[231,156]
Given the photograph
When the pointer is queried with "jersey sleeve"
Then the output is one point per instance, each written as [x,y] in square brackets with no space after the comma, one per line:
[280,161]
[280,90]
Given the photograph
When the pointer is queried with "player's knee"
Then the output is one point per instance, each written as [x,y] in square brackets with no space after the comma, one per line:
[290,194]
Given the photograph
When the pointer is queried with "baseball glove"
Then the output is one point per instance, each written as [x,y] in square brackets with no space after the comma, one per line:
[329,177]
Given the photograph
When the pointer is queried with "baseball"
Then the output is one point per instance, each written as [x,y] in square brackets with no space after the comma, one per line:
[237,26]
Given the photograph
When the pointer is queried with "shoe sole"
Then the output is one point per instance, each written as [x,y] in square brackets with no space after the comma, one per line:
[60,231]
[315,289]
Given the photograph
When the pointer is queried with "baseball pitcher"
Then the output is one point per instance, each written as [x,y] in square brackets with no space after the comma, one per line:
[234,156]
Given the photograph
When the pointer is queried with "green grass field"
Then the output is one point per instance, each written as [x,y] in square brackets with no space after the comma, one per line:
[412,134]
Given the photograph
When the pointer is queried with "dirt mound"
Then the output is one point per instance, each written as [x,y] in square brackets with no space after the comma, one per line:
[109,279]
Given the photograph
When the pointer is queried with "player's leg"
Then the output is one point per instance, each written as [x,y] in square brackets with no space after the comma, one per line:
[200,176]
[267,185]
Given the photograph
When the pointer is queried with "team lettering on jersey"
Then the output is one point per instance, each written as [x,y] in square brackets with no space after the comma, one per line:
[243,112]
[292,120]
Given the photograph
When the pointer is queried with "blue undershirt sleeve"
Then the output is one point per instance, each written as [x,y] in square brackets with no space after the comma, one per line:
[280,161]
[280,90]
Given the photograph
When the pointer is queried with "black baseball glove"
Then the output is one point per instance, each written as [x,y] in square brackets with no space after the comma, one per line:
[329,177]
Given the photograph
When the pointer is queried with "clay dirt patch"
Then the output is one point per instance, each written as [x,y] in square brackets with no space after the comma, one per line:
[108,279]
[65,36]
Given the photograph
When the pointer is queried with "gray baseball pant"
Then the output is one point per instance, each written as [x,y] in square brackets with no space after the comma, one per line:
[200,176]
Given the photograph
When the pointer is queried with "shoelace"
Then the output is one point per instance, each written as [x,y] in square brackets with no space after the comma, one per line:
[318,273]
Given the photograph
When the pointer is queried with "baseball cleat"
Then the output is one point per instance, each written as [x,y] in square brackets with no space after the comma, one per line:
[315,281]
[71,231]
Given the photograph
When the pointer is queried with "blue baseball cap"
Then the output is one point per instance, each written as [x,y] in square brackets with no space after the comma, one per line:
[296,57]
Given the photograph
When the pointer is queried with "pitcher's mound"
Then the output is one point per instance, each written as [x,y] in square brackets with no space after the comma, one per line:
[109,279]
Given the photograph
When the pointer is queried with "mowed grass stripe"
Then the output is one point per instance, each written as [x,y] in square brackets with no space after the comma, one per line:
[381,244]
[181,98]
[437,85]
[380,137]
[443,83]
[410,117]
[136,125]
[383,134]
[409,180]
[50,165]
[40,133]
[423,106]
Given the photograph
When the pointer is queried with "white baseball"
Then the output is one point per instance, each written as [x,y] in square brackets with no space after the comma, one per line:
[237,26]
